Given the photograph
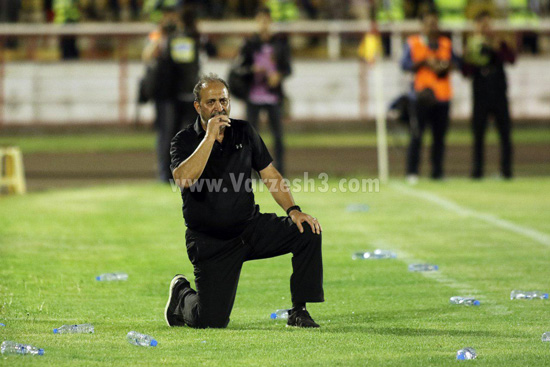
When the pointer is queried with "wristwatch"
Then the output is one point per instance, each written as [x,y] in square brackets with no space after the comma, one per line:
[293,207]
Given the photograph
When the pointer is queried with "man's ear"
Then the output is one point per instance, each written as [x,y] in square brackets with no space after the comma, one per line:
[197,106]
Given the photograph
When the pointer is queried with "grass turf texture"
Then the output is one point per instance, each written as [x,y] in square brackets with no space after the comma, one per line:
[145,140]
[376,313]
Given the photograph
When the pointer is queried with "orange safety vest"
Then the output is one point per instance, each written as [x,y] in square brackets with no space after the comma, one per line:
[425,77]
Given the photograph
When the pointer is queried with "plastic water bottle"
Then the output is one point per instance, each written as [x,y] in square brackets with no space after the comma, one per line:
[546,337]
[141,340]
[109,277]
[466,353]
[515,294]
[280,314]
[357,208]
[468,301]
[375,255]
[423,267]
[12,348]
[1,324]
[75,329]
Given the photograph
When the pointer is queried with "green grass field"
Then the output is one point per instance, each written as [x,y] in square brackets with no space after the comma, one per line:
[487,238]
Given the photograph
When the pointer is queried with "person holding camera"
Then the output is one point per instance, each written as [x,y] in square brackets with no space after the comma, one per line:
[429,56]
[485,57]
[173,53]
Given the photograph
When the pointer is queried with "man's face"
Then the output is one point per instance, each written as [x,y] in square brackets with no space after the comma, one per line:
[169,21]
[483,25]
[264,22]
[214,101]
[430,25]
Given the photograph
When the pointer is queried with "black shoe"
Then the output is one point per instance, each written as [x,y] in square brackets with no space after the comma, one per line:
[300,318]
[176,285]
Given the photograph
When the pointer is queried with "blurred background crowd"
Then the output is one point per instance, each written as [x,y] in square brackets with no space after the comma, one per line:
[141,10]
[452,12]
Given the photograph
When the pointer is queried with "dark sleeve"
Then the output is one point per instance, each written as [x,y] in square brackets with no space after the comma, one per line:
[208,46]
[506,54]
[284,60]
[180,149]
[246,56]
[260,155]
[407,63]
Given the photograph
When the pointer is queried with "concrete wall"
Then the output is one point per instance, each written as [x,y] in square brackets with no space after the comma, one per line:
[83,92]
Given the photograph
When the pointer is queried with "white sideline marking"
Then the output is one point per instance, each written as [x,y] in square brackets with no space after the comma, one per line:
[533,234]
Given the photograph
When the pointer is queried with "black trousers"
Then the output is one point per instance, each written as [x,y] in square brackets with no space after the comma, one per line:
[69,48]
[437,116]
[495,105]
[218,264]
[171,116]
[274,113]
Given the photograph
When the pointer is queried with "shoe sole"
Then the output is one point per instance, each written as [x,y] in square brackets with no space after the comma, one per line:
[170,293]
[303,327]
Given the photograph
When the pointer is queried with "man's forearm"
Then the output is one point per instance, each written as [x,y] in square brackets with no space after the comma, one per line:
[282,195]
[277,187]
[191,169]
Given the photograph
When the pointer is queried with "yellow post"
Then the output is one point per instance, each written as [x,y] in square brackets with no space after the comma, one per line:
[12,174]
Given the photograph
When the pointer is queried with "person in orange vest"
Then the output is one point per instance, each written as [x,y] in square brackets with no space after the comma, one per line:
[429,56]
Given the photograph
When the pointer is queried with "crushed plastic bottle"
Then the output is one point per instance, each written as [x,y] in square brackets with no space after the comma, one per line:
[74,329]
[466,353]
[141,340]
[1,324]
[515,294]
[423,267]
[375,255]
[357,208]
[468,301]
[13,348]
[546,337]
[280,314]
[109,277]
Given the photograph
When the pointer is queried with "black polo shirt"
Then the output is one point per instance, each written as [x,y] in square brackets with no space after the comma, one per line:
[221,202]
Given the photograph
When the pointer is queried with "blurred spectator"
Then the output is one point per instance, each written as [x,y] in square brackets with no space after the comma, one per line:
[310,8]
[267,57]
[523,13]
[336,9]
[282,10]
[48,11]
[67,12]
[485,57]
[174,50]
[247,8]
[115,8]
[451,11]
[388,12]
[475,7]
[429,56]
[209,8]
[415,8]
[154,8]
[9,13]
[159,54]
